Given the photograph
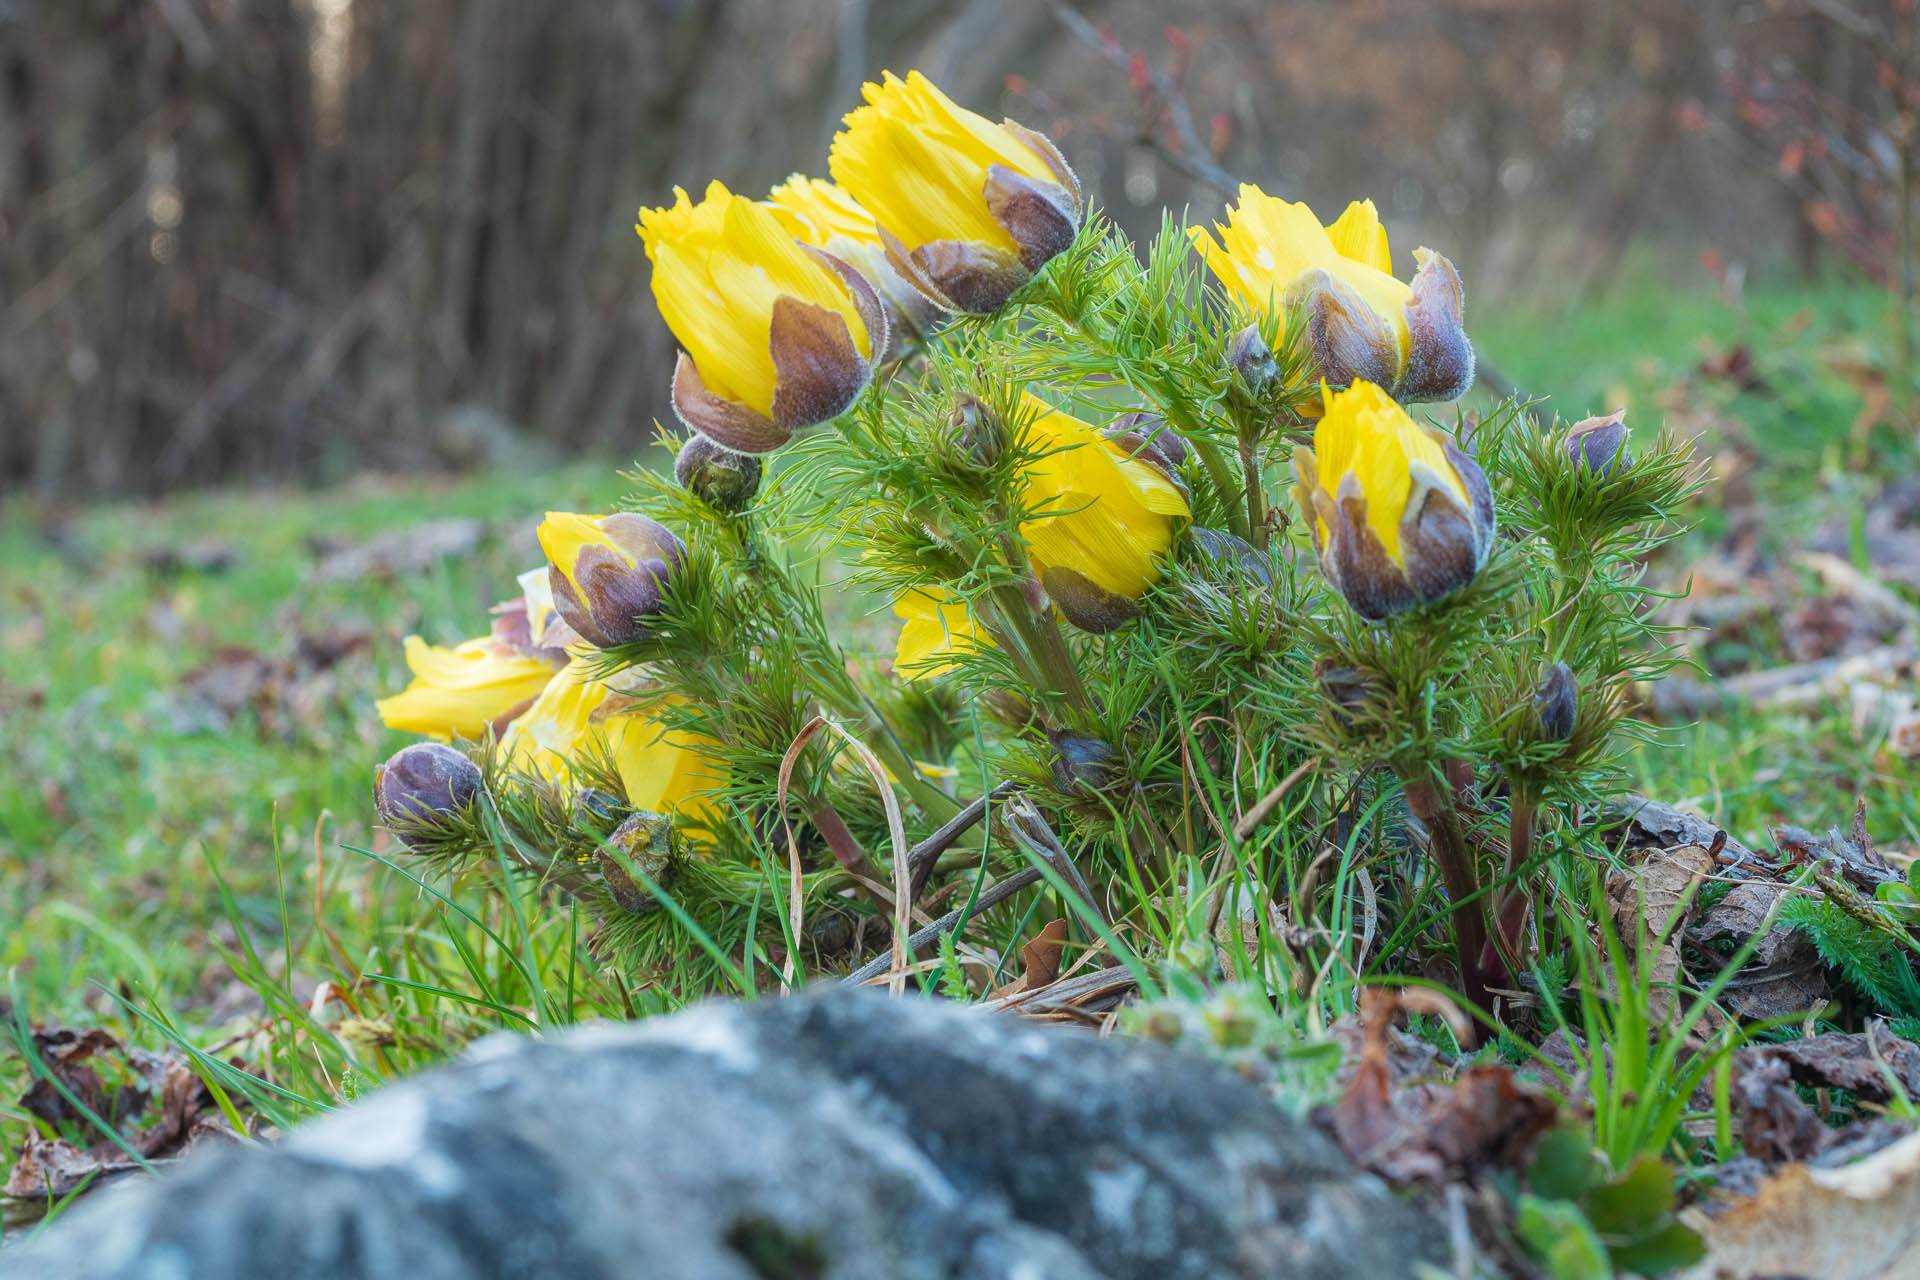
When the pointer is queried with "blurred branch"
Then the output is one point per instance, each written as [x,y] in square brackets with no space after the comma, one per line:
[1191,156]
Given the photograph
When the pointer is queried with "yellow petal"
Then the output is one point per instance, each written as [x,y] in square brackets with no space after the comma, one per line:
[1114,515]
[819,213]
[1266,243]
[1358,234]
[663,770]
[935,630]
[558,726]
[918,162]
[1364,433]
[462,690]
[718,268]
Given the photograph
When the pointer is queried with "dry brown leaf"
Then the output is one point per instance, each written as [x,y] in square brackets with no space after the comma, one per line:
[1041,960]
[1860,1222]
[1785,975]
[1868,1065]
[1433,1132]
[1651,903]
[1775,1124]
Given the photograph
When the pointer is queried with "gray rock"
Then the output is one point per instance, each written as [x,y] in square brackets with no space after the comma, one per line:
[833,1136]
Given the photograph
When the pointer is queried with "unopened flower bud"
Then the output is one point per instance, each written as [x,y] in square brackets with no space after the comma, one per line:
[1221,554]
[718,476]
[1251,360]
[644,842]
[968,210]
[1557,702]
[1081,763]
[424,783]
[1349,693]
[977,430]
[1361,324]
[1599,444]
[608,573]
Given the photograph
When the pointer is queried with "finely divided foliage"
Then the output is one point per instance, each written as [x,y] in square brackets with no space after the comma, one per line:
[1173,562]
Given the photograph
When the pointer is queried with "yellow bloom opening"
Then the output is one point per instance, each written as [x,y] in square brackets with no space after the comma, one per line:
[918,162]
[1363,432]
[1115,513]
[1267,242]
[659,770]
[564,535]
[461,691]
[718,267]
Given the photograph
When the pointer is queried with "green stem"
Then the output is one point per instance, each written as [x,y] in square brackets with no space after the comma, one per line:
[1050,664]
[1256,495]
[1184,420]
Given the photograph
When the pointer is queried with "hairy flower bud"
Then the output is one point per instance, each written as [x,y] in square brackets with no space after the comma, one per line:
[1363,324]
[978,431]
[1599,444]
[1349,694]
[968,209]
[608,572]
[1081,762]
[1221,554]
[720,477]
[1557,702]
[1400,515]
[644,842]
[1251,360]
[424,783]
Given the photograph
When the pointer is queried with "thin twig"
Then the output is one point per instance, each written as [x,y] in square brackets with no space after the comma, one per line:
[880,964]
[1032,831]
[923,857]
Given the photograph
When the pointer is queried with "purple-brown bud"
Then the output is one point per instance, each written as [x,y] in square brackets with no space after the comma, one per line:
[1081,763]
[643,842]
[608,573]
[424,783]
[1251,360]
[1599,444]
[1557,703]
[718,476]
[977,430]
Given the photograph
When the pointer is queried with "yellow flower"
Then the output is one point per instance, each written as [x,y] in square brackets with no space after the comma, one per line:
[821,214]
[579,717]
[465,690]
[664,770]
[775,335]
[1363,324]
[968,209]
[935,631]
[1109,514]
[1408,517]
[1108,503]
[607,573]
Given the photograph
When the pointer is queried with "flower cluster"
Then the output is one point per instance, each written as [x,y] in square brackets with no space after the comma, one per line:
[1066,503]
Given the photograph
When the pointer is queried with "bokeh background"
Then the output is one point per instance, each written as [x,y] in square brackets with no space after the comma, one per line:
[308,308]
[287,240]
